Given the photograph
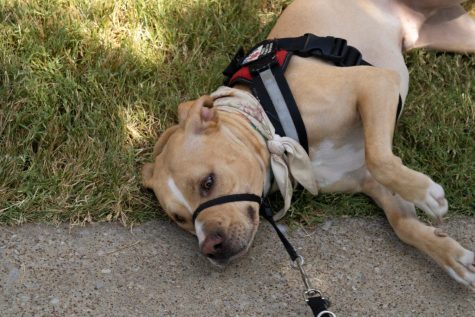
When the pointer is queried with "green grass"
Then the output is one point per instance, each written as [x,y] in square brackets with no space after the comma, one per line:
[86,87]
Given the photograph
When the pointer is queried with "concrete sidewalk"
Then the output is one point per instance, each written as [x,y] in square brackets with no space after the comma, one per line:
[156,270]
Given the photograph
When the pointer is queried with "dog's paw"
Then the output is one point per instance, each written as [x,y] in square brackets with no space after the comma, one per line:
[434,204]
[462,269]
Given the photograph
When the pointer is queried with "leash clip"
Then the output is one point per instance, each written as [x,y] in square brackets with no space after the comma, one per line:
[312,295]
[310,291]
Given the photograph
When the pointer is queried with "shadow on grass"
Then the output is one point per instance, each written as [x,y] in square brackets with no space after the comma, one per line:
[87,88]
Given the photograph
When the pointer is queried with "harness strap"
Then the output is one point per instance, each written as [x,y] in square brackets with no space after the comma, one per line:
[259,90]
[333,49]
[271,83]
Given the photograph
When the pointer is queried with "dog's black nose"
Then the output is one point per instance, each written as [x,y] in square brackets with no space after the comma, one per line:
[214,246]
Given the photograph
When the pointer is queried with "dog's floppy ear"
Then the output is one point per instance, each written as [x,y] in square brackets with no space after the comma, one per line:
[199,115]
[163,140]
[147,169]
[184,109]
[147,175]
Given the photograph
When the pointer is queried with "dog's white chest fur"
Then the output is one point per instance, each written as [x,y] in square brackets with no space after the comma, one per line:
[331,163]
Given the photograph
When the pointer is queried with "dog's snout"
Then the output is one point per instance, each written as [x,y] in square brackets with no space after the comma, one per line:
[222,240]
[213,245]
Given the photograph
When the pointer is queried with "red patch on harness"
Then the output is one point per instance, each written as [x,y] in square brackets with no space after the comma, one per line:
[253,56]
[245,74]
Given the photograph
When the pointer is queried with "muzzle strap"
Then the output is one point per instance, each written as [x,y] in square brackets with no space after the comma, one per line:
[224,200]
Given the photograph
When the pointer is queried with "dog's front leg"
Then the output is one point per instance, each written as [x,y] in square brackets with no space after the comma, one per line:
[378,92]
[448,253]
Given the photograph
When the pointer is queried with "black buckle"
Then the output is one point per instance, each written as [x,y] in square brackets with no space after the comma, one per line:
[352,57]
[331,48]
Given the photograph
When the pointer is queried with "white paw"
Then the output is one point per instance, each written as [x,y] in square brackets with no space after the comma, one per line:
[434,204]
[463,269]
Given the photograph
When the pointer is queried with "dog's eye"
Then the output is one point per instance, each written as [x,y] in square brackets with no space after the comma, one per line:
[179,218]
[207,184]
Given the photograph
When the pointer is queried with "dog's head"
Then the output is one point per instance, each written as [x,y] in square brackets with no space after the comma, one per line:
[210,154]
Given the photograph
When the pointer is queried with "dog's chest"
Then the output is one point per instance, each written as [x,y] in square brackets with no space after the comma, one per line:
[334,164]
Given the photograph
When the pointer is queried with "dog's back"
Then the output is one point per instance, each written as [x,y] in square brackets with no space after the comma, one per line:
[382,29]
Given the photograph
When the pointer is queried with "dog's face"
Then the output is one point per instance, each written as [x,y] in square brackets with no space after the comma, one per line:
[207,155]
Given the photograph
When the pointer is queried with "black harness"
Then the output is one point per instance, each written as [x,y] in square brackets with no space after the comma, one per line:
[263,70]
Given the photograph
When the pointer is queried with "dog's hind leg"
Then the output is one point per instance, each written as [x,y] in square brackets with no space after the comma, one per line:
[448,253]
[449,29]
[446,27]
[378,91]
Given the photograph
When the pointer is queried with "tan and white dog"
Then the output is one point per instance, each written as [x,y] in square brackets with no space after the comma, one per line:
[349,114]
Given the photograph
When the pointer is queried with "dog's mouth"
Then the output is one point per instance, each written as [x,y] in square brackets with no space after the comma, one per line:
[221,260]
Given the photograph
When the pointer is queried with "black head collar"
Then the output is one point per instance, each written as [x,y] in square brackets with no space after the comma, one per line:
[224,200]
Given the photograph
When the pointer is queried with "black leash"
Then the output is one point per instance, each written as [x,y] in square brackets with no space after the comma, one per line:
[318,304]
[313,297]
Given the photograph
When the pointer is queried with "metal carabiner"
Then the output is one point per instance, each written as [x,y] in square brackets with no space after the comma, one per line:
[298,264]
[310,292]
